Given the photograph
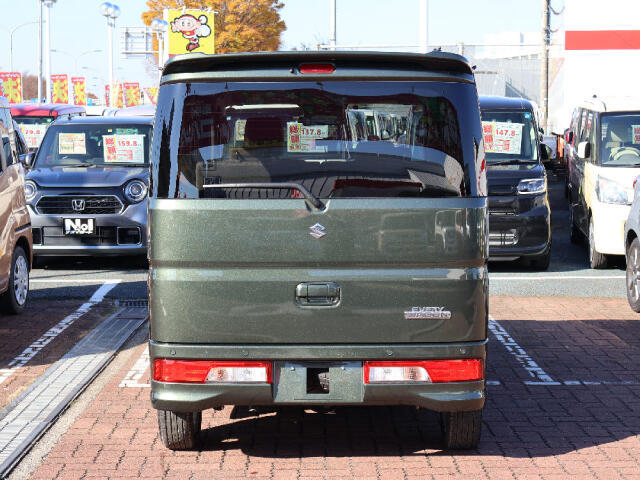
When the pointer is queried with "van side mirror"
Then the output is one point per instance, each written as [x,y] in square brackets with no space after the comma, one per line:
[26,159]
[584,150]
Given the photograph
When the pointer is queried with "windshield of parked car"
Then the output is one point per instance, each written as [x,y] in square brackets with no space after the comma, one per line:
[94,144]
[33,128]
[509,135]
[620,140]
[337,139]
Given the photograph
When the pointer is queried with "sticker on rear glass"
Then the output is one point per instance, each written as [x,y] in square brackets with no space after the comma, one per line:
[72,143]
[502,137]
[302,138]
[33,133]
[123,148]
[635,129]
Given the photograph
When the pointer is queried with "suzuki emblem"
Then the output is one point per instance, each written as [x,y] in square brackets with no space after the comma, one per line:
[77,204]
[317,231]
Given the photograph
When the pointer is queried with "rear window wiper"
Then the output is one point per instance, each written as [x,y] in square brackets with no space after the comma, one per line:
[310,197]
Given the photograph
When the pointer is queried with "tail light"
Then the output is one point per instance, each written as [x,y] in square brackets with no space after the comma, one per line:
[317,68]
[208,371]
[427,371]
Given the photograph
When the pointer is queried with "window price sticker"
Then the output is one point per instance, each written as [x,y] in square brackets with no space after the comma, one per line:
[302,138]
[33,133]
[635,131]
[123,148]
[72,144]
[502,137]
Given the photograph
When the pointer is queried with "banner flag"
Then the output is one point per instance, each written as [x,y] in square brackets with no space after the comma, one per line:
[132,94]
[59,88]
[79,90]
[117,96]
[152,94]
[190,31]
[11,86]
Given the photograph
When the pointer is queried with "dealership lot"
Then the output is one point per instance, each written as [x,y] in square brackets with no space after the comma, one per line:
[562,399]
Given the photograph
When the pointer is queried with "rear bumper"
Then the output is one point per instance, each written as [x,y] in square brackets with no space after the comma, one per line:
[522,235]
[442,397]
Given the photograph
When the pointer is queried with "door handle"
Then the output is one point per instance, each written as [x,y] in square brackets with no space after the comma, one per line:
[320,294]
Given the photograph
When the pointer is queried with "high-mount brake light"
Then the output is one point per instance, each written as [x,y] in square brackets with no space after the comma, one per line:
[425,371]
[317,68]
[211,371]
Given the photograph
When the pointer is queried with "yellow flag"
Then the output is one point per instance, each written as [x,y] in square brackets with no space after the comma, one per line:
[190,31]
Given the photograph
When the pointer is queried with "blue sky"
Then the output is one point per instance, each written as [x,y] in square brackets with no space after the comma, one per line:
[78,27]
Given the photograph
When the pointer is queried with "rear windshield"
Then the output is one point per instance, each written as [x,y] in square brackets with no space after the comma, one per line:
[620,141]
[509,135]
[94,144]
[337,139]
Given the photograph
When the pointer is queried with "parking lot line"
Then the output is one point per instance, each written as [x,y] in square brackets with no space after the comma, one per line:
[33,349]
[132,378]
[541,377]
[559,277]
[77,280]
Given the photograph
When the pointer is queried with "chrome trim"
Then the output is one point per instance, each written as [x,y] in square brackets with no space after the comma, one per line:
[37,210]
[22,229]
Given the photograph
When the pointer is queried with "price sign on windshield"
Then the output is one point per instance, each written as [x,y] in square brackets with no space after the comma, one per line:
[123,148]
[502,137]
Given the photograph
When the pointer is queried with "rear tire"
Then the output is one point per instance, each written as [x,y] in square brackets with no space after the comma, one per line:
[597,260]
[633,275]
[179,430]
[15,298]
[461,430]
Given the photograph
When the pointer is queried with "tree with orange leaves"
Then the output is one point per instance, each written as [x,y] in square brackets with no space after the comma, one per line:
[240,25]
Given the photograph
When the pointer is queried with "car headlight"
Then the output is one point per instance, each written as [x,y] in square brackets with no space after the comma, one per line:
[135,191]
[609,191]
[532,185]
[30,190]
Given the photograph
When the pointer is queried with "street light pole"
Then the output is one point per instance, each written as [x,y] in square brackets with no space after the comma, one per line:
[47,47]
[110,12]
[11,32]
[160,28]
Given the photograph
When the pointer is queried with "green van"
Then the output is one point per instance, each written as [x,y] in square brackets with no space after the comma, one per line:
[318,237]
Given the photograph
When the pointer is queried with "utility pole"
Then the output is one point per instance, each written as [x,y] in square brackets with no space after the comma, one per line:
[544,66]
[332,26]
[40,54]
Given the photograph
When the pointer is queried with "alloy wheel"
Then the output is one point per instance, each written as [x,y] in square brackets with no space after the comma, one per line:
[21,280]
[633,273]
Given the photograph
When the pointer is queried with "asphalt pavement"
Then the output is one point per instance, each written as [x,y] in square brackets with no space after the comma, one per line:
[568,275]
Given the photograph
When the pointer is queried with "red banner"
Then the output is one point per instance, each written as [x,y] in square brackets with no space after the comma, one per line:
[60,89]
[132,94]
[79,90]
[152,94]
[11,86]
[602,40]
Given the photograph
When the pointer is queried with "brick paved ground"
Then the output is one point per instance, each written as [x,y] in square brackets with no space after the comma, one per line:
[530,432]
[17,332]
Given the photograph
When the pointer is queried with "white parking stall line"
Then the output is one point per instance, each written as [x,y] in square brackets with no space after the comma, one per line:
[132,378]
[33,349]
[77,280]
[541,377]
[559,277]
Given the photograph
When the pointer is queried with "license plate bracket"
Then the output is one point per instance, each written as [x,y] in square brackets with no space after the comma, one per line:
[290,382]
[79,226]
